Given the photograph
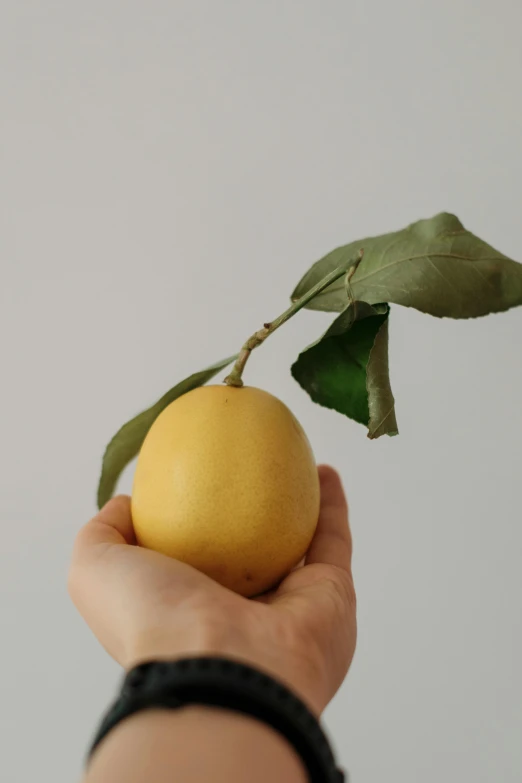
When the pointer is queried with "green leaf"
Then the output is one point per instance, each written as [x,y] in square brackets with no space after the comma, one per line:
[127,442]
[434,265]
[347,368]
[381,404]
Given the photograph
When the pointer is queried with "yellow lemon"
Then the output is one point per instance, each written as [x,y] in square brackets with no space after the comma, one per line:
[226,481]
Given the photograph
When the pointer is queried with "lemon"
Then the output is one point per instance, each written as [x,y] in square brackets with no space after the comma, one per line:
[226,481]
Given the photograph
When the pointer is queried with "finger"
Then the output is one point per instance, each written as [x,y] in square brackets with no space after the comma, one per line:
[332,542]
[112,525]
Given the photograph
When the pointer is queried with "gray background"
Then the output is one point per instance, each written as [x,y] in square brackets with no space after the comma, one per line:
[168,170]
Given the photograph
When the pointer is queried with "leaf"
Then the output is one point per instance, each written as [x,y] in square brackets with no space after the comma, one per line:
[127,442]
[381,404]
[434,265]
[347,368]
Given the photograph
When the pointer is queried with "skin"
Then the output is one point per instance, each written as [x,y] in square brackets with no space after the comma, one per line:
[142,605]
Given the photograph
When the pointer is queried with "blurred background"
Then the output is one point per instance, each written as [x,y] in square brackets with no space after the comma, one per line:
[168,171]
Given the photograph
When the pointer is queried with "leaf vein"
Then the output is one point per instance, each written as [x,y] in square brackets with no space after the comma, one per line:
[424,256]
[379,425]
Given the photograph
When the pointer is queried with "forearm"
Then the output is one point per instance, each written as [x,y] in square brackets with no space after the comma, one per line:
[194,744]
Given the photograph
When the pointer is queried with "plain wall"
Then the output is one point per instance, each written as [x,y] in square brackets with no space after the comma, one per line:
[168,170]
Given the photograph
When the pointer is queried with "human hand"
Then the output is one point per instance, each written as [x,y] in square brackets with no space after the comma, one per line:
[142,605]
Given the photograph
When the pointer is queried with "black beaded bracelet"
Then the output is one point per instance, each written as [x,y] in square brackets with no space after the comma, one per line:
[221,682]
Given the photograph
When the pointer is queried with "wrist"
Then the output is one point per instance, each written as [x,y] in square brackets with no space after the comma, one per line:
[199,639]
[296,671]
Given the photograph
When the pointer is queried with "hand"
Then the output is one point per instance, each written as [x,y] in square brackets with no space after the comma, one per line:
[142,605]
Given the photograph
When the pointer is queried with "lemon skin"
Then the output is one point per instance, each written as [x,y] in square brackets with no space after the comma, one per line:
[226,481]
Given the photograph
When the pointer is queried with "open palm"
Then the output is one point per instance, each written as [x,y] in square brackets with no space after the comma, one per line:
[143,605]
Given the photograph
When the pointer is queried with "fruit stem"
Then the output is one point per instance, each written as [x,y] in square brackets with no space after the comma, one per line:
[348,269]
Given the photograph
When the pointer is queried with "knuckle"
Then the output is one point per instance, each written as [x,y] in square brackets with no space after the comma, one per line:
[340,584]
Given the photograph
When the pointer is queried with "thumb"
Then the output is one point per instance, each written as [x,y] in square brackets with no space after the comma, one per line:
[111,526]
